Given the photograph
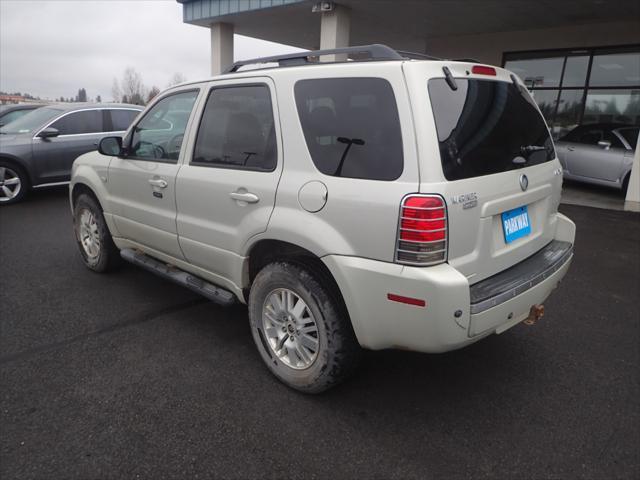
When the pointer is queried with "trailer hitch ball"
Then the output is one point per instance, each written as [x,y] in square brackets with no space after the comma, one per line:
[535,313]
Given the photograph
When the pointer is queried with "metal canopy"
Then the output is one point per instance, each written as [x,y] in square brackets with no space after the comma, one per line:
[404,24]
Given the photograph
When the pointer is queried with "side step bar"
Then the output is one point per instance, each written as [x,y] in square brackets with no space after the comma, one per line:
[206,289]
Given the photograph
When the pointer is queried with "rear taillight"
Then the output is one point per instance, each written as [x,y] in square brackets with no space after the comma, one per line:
[422,232]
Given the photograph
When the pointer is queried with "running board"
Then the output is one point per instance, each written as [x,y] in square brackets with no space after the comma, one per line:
[206,289]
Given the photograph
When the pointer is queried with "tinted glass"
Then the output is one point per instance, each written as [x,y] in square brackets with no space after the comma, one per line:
[237,129]
[575,71]
[159,135]
[351,127]
[612,106]
[32,120]
[620,69]
[486,127]
[538,72]
[612,138]
[568,114]
[547,101]
[86,121]
[630,135]
[590,136]
[11,116]
[121,119]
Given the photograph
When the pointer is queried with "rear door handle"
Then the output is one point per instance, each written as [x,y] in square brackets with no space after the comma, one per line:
[158,182]
[571,149]
[244,197]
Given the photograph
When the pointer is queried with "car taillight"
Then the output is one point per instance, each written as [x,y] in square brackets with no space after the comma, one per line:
[483,70]
[422,232]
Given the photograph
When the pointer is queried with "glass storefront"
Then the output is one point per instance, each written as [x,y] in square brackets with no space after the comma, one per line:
[579,87]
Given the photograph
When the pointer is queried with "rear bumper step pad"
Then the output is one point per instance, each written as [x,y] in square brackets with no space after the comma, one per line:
[521,277]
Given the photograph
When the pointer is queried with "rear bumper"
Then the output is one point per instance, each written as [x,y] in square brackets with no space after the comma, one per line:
[456,314]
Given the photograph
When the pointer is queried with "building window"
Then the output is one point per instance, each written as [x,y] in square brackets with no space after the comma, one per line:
[581,87]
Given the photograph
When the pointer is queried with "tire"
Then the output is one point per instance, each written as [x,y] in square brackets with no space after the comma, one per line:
[96,246]
[319,349]
[14,183]
[625,184]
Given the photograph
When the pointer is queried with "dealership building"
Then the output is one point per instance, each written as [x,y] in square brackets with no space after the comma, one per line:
[580,58]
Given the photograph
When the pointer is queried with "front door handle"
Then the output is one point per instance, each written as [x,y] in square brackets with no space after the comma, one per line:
[244,197]
[158,182]
[571,149]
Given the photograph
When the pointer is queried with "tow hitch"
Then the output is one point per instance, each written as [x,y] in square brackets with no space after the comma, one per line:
[535,313]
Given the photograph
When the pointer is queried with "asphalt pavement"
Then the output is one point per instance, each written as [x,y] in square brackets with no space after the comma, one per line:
[129,376]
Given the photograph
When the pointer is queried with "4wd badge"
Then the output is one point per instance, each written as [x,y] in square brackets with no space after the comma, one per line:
[468,200]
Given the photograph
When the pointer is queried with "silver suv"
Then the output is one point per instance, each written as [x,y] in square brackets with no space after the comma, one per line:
[380,202]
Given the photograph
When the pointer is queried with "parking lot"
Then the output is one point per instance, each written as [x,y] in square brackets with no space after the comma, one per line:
[129,376]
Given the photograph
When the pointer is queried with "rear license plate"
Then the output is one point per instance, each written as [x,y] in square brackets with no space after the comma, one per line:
[515,224]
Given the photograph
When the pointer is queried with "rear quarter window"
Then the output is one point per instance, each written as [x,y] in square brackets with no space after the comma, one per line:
[351,127]
[486,127]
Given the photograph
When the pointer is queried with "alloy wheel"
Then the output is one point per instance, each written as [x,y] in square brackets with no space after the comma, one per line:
[10,184]
[290,329]
[88,233]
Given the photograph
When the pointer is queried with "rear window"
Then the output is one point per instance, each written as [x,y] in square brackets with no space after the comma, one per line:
[630,135]
[121,119]
[486,127]
[351,127]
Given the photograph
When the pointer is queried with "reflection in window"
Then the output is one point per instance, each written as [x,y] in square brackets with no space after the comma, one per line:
[538,72]
[575,71]
[351,127]
[237,129]
[568,114]
[612,106]
[613,70]
[160,133]
[87,121]
[547,101]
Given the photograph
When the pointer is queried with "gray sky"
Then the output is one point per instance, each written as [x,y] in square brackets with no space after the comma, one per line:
[51,48]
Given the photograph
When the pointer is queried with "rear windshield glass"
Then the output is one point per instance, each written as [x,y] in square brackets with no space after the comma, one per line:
[487,127]
[351,126]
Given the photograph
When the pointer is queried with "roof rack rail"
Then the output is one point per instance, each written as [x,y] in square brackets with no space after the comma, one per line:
[417,56]
[468,60]
[371,52]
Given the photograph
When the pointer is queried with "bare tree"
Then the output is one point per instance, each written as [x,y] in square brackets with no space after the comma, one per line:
[115,91]
[132,87]
[152,93]
[176,79]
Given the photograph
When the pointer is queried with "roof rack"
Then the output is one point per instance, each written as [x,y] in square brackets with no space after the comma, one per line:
[375,52]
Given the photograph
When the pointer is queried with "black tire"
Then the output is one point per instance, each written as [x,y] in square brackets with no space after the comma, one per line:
[14,171]
[108,256]
[338,350]
[625,184]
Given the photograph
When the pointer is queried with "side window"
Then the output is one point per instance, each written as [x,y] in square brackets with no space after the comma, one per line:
[590,137]
[351,127]
[84,121]
[121,119]
[611,137]
[159,135]
[237,129]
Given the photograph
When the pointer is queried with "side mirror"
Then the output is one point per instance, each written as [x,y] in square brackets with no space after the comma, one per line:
[49,132]
[604,144]
[110,146]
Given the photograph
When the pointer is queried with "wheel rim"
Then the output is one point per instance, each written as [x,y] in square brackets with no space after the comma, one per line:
[290,329]
[88,233]
[10,184]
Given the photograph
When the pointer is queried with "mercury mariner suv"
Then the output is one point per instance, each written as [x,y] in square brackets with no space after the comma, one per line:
[375,200]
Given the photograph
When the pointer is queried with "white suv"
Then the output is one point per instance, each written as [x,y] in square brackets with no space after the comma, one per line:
[377,202]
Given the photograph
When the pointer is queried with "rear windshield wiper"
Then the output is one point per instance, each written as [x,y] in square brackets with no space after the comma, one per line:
[449,79]
[525,149]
